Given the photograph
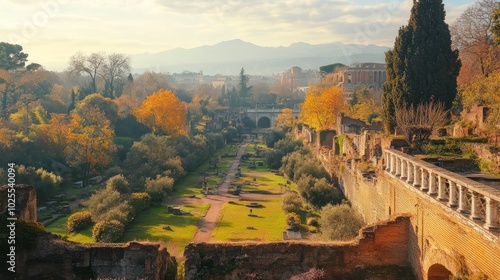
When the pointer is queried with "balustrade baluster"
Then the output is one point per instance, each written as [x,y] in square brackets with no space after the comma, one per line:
[432,183]
[475,205]
[417,176]
[441,188]
[409,172]
[462,199]
[453,201]
[424,187]
[491,214]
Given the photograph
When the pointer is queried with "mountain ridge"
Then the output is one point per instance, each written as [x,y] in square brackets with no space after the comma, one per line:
[228,57]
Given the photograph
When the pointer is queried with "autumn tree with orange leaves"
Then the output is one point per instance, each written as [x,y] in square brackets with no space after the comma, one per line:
[285,118]
[162,111]
[90,140]
[321,106]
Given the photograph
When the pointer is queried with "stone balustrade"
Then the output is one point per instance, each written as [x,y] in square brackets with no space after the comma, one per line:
[475,201]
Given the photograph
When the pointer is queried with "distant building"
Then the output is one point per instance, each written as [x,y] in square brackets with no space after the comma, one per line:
[371,75]
[295,78]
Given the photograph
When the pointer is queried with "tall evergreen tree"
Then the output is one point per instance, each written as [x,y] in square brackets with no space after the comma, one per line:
[422,67]
[245,90]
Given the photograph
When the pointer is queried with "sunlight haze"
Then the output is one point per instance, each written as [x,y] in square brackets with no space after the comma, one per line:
[53,30]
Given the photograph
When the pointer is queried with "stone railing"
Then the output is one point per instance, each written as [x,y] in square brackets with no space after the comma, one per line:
[475,201]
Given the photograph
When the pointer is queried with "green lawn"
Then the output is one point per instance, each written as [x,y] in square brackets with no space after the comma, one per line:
[265,182]
[59,227]
[234,220]
[188,185]
[149,225]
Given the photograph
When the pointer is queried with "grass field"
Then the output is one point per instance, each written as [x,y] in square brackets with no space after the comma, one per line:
[265,182]
[234,220]
[188,185]
[149,225]
[59,227]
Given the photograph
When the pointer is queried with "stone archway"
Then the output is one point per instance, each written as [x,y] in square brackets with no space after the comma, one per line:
[438,272]
[264,122]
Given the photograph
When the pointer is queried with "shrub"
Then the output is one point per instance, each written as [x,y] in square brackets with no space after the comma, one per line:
[118,183]
[113,171]
[159,187]
[79,220]
[313,222]
[108,231]
[101,202]
[139,201]
[318,192]
[291,202]
[292,219]
[340,222]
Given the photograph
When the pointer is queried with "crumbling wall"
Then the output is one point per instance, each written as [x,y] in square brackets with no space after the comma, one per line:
[52,258]
[25,201]
[380,245]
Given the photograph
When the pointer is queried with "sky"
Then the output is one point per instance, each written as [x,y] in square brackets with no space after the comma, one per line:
[51,31]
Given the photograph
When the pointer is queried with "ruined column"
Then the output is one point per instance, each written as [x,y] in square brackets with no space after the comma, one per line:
[453,200]
[475,207]
[441,188]
[491,214]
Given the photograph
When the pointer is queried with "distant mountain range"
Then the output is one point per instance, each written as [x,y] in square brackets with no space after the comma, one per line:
[228,57]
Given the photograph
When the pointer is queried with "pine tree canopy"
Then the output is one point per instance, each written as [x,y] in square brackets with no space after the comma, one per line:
[421,67]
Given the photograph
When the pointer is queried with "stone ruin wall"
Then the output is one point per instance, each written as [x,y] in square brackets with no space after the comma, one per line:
[53,258]
[381,245]
[435,235]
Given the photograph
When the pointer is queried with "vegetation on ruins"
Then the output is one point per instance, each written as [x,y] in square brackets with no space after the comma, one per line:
[321,106]
[421,67]
[340,222]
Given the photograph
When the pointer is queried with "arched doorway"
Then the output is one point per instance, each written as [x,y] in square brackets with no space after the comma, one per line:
[438,272]
[264,122]
[248,122]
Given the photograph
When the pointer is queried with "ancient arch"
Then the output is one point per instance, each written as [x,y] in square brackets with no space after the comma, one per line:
[438,272]
[264,122]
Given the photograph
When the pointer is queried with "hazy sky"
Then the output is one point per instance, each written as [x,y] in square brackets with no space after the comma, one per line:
[52,30]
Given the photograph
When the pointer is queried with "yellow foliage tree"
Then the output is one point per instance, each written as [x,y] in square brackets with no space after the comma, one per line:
[163,111]
[321,106]
[285,118]
[90,140]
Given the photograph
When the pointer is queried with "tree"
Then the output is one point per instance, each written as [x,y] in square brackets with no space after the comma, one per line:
[495,28]
[92,65]
[244,90]
[115,68]
[421,67]
[321,106]
[118,183]
[12,56]
[484,92]
[291,202]
[104,104]
[158,188]
[162,111]
[54,135]
[285,118]
[90,140]
[340,222]
[472,36]
[418,122]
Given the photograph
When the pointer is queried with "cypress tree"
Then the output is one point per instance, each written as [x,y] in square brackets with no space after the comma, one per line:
[421,67]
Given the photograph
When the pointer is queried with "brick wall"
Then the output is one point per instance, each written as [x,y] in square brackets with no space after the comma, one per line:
[437,234]
[380,245]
